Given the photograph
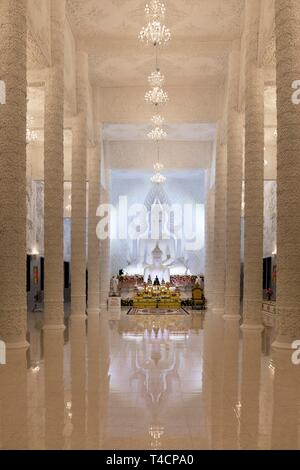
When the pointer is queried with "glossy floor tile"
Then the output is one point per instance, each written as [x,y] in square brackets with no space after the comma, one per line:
[147,382]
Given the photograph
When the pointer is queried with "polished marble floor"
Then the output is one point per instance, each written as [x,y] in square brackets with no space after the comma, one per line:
[144,382]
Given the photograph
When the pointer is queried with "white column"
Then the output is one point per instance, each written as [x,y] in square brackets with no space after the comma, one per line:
[287,32]
[79,171]
[234,189]
[93,241]
[13,173]
[209,242]
[254,171]
[219,260]
[104,260]
[54,173]
[254,224]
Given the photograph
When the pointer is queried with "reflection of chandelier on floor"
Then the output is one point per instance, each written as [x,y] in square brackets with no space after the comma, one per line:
[157,34]
[31,135]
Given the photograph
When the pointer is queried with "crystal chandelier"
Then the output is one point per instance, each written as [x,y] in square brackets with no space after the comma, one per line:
[155,33]
[158,167]
[158,120]
[156,78]
[156,96]
[157,134]
[155,10]
[158,178]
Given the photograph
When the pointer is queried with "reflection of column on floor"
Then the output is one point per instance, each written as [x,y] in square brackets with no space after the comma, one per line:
[206,385]
[13,401]
[103,364]
[230,404]
[285,428]
[213,374]
[105,344]
[78,379]
[54,388]
[93,403]
[250,388]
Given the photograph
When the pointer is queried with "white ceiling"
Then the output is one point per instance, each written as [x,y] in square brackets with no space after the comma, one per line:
[202,31]
[175,132]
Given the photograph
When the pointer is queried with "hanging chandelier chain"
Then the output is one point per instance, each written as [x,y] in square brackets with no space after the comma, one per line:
[157,34]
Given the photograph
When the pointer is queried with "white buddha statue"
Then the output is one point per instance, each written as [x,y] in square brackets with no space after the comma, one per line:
[157,268]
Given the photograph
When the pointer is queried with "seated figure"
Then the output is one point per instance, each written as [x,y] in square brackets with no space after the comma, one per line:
[157,269]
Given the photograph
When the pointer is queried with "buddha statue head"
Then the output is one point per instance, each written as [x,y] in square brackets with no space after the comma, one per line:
[157,256]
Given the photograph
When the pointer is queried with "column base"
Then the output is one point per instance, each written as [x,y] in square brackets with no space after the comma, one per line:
[18,345]
[282,344]
[59,326]
[217,311]
[93,311]
[80,317]
[232,317]
[246,327]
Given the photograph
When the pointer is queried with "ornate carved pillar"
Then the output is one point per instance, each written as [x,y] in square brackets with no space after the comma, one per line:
[254,171]
[209,237]
[220,226]
[287,32]
[234,188]
[93,241]
[79,171]
[54,173]
[254,225]
[104,259]
[13,307]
